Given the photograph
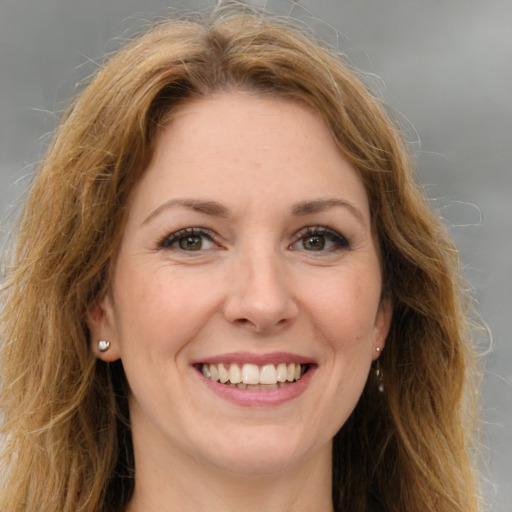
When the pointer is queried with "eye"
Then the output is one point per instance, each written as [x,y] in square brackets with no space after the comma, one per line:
[189,239]
[320,239]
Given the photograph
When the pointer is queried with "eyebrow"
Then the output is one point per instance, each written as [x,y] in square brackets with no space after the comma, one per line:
[319,205]
[208,207]
[216,209]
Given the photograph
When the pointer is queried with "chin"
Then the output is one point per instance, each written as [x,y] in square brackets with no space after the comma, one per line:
[267,450]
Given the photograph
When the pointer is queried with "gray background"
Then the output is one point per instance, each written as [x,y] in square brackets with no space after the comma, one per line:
[445,66]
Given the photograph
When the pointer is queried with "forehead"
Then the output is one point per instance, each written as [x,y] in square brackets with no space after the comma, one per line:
[240,146]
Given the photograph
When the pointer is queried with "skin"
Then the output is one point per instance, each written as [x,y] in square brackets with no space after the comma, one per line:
[266,278]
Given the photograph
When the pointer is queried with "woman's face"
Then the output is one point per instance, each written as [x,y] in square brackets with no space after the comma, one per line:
[248,261]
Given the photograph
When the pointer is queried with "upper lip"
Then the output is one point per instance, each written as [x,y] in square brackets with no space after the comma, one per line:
[257,359]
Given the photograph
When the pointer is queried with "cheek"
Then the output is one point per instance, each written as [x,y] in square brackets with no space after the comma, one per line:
[162,312]
[344,312]
[345,308]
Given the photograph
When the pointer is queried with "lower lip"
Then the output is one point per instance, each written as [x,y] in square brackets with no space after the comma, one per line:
[251,398]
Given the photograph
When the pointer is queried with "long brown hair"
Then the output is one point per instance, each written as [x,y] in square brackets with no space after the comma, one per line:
[67,444]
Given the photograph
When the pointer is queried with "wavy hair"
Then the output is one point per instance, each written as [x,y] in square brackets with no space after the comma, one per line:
[66,443]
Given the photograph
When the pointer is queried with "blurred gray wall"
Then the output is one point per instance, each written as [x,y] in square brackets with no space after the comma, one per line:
[446,66]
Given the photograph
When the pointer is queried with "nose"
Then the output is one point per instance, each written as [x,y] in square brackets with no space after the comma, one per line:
[259,297]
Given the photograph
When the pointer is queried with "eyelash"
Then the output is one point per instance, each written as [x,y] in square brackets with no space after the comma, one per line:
[169,240]
[339,241]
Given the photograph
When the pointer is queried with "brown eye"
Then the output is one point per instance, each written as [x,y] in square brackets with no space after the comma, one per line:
[191,243]
[320,239]
[314,242]
[189,240]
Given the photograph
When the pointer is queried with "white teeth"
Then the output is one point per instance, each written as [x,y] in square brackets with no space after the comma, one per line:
[223,374]
[259,387]
[281,372]
[297,372]
[214,372]
[235,375]
[252,376]
[268,374]
[290,372]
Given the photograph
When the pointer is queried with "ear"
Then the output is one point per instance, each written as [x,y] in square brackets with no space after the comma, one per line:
[382,326]
[102,326]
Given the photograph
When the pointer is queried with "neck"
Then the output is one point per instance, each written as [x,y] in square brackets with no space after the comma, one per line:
[168,487]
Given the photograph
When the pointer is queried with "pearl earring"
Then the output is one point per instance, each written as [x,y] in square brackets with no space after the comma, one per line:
[103,345]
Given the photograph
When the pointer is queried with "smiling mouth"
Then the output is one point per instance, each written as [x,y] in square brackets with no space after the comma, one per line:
[254,377]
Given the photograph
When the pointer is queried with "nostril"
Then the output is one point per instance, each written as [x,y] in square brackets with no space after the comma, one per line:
[260,326]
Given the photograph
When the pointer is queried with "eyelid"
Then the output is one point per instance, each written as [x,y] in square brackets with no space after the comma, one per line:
[343,242]
[336,237]
[170,238]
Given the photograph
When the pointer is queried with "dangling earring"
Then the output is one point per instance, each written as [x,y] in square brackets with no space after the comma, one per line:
[103,345]
[380,377]
[379,374]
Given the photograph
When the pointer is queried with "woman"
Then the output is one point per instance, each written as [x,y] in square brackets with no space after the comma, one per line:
[228,293]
